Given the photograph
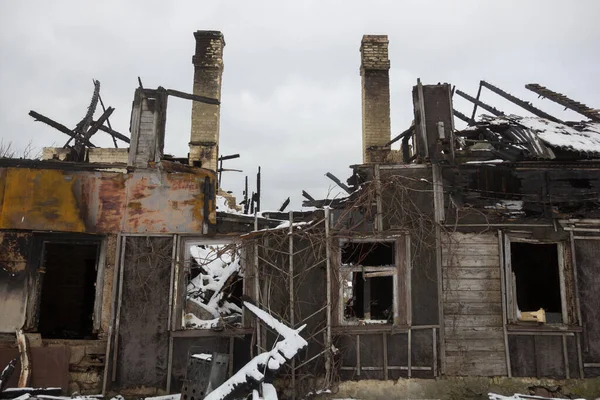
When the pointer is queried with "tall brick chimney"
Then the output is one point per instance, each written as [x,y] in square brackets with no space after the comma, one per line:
[375,77]
[208,71]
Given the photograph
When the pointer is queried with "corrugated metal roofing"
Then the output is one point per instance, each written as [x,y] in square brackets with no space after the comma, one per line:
[537,137]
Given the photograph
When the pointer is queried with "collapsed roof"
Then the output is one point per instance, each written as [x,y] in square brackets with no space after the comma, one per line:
[516,138]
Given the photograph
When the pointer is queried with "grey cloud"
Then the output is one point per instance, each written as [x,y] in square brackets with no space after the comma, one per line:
[291,90]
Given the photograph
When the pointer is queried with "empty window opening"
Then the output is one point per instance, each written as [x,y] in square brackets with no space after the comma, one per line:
[369,298]
[68,291]
[215,287]
[370,254]
[537,278]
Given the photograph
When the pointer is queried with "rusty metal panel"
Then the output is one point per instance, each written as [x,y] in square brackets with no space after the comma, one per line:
[164,203]
[156,200]
[40,199]
[13,280]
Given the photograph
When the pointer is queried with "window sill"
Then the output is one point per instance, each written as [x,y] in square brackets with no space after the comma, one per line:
[526,328]
[209,332]
[368,329]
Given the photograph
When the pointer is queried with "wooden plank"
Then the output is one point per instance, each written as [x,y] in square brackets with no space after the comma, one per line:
[472,308]
[466,261]
[385,356]
[60,127]
[471,273]
[467,238]
[473,320]
[25,376]
[469,345]
[194,97]
[471,284]
[474,332]
[469,296]
[472,249]
[476,363]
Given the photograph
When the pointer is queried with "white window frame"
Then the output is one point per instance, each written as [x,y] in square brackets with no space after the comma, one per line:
[511,294]
[377,271]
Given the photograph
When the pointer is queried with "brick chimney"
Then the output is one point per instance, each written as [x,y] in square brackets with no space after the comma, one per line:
[208,71]
[375,77]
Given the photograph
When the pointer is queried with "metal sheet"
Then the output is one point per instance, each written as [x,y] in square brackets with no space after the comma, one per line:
[154,200]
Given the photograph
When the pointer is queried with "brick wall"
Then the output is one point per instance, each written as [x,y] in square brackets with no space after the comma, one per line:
[374,71]
[108,155]
[208,70]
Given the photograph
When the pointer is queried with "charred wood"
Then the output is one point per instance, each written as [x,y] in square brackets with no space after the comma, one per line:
[521,103]
[41,118]
[194,97]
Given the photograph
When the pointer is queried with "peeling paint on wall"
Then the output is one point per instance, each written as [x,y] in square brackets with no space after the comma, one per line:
[14,249]
[103,202]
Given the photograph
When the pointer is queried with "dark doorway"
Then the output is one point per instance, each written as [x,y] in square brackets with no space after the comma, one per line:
[68,290]
[537,278]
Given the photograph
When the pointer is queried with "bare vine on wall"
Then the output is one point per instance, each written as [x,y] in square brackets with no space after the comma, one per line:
[393,205]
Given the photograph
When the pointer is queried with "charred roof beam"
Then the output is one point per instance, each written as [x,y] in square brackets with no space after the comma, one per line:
[521,103]
[565,101]
[462,116]
[41,118]
[480,103]
[407,132]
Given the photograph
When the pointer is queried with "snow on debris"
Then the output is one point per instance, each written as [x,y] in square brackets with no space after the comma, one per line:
[222,204]
[214,269]
[283,350]
[586,139]
[560,135]
[268,392]
[493,396]
[166,397]
[203,356]
[496,161]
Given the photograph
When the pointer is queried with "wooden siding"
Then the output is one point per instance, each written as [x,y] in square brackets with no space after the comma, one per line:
[472,305]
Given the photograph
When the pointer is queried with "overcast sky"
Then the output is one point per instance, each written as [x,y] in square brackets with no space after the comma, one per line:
[291,86]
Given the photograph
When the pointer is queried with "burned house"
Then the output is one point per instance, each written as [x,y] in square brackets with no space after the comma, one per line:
[89,238]
[466,253]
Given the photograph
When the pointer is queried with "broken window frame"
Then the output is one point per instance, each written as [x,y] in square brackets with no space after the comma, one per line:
[36,275]
[511,288]
[181,272]
[397,271]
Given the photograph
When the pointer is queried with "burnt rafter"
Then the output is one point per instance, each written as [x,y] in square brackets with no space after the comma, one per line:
[462,116]
[407,132]
[113,133]
[480,103]
[565,101]
[338,182]
[194,97]
[85,123]
[521,103]
[58,126]
[87,127]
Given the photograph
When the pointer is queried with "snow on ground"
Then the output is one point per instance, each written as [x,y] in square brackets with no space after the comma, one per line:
[493,396]
[75,397]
